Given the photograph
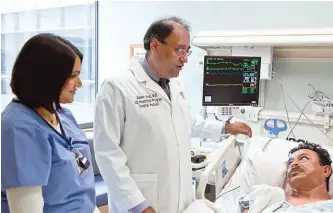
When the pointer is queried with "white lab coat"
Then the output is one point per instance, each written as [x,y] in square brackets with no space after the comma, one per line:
[142,141]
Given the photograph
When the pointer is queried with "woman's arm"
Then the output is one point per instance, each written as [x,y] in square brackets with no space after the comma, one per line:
[25,199]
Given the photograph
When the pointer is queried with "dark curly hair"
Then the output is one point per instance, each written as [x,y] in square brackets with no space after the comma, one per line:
[323,155]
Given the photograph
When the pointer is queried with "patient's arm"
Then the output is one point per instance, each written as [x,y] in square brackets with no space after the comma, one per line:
[246,211]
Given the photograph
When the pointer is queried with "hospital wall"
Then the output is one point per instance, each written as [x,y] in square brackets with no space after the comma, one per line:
[124,23]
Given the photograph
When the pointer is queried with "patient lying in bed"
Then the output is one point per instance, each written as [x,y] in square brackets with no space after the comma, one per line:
[308,174]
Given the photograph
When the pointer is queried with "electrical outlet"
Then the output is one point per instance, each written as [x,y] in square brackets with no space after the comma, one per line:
[327,122]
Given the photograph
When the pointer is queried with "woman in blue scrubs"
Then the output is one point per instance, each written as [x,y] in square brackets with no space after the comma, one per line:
[45,157]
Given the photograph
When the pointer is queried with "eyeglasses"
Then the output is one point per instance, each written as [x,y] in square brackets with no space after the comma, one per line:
[179,51]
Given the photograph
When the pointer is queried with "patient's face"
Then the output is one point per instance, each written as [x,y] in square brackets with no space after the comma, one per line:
[305,171]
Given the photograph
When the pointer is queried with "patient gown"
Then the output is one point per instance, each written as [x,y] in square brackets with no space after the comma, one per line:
[322,206]
[268,199]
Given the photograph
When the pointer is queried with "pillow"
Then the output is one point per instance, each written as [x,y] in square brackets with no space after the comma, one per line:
[267,169]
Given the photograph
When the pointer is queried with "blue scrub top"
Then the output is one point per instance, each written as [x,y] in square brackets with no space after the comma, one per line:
[33,153]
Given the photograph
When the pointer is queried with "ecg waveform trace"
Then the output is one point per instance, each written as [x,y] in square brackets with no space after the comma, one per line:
[224,69]
[225,62]
[222,65]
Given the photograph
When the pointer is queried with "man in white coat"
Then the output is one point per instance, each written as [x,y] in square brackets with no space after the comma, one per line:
[143,127]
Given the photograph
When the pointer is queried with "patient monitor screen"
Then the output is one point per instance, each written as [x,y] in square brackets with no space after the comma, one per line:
[231,81]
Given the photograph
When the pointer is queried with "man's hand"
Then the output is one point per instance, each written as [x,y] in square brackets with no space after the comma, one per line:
[238,128]
[149,210]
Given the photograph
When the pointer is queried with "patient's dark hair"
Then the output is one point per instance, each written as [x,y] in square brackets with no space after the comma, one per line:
[324,156]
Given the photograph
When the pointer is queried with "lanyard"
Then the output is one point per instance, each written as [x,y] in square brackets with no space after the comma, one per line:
[82,162]
[66,142]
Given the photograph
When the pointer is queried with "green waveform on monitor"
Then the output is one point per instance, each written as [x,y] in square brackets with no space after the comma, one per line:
[225,62]
[243,65]
[224,68]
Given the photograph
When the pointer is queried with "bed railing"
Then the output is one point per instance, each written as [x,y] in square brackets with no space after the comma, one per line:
[224,162]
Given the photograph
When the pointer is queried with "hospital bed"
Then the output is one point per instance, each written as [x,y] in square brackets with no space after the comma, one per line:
[233,168]
[238,165]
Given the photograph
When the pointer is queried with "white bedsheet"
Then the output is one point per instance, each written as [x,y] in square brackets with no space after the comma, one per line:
[262,199]
[202,206]
[318,207]
[268,199]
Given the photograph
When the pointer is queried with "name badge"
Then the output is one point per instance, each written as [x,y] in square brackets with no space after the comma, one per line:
[148,101]
[82,162]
